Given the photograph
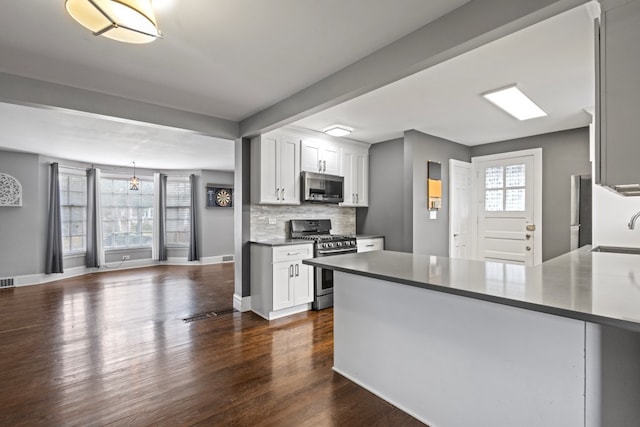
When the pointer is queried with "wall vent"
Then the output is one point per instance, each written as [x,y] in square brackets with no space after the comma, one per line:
[226,258]
[7,283]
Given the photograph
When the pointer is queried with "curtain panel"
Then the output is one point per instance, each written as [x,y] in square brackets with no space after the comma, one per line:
[159,247]
[95,249]
[194,250]
[54,256]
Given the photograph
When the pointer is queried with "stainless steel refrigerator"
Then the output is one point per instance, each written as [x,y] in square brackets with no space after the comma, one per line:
[580,211]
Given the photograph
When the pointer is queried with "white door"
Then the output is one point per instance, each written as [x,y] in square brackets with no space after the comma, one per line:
[459,209]
[509,207]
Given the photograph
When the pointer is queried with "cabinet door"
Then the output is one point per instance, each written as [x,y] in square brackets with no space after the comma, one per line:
[282,292]
[269,175]
[347,172]
[330,157]
[310,156]
[620,93]
[288,165]
[361,178]
[302,284]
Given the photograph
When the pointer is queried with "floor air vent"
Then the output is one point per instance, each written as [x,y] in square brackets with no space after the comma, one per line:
[209,315]
[226,258]
[7,283]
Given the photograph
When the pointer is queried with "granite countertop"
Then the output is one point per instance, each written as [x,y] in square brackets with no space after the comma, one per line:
[596,287]
[281,242]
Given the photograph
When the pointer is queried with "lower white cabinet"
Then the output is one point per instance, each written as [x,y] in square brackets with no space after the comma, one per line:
[370,244]
[280,283]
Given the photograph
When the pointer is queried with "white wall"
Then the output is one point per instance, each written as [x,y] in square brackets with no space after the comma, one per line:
[611,213]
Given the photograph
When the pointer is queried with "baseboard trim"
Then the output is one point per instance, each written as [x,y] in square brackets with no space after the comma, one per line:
[241,303]
[41,278]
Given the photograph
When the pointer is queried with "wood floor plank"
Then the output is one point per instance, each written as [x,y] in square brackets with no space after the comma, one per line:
[112,349]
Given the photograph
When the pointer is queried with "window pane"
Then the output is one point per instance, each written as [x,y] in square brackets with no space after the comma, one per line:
[515,200]
[73,210]
[493,200]
[77,183]
[493,177]
[122,212]
[515,176]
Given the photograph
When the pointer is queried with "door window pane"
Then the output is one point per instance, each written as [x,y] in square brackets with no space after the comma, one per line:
[515,176]
[493,177]
[515,200]
[493,200]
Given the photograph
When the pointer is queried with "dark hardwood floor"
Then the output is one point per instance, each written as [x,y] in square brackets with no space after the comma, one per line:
[112,349]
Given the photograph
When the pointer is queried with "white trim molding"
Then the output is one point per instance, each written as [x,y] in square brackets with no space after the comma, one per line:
[241,304]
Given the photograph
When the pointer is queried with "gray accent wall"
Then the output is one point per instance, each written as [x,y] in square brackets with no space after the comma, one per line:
[22,229]
[431,236]
[22,236]
[564,154]
[385,214]
[398,193]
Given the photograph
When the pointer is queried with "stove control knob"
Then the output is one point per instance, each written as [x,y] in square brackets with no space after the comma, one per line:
[339,244]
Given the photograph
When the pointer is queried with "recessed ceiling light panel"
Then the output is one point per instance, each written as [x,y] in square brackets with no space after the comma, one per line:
[514,102]
[338,130]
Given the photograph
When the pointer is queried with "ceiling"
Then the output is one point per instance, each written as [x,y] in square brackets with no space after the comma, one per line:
[233,58]
[552,62]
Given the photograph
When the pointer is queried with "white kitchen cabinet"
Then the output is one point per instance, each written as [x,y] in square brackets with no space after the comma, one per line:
[355,169]
[275,159]
[617,125]
[320,156]
[370,244]
[280,283]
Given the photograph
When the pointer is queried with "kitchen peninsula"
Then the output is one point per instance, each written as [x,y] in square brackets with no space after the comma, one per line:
[457,342]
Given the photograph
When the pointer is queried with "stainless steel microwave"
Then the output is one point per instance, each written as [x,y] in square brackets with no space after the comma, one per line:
[322,188]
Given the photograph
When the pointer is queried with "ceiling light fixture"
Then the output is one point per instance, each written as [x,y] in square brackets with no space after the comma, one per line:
[514,102]
[338,130]
[134,182]
[129,21]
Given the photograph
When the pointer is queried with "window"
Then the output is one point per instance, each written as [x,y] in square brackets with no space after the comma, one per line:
[73,209]
[178,211]
[127,215]
[504,188]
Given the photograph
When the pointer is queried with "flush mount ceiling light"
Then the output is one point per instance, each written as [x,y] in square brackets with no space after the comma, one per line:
[514,102]
[338,130]
[129,21]
[134,182]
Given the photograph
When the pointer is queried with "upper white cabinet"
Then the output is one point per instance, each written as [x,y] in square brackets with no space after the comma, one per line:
[355,169]
[275,159]
[617,124]
[320,156]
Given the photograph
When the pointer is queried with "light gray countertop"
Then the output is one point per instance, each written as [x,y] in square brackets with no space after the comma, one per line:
[369,236]
[281,242]
[596,287]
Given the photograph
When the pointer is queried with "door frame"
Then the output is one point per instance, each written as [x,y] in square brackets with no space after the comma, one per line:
[537,197]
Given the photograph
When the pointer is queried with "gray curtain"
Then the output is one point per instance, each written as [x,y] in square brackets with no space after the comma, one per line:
[194,252]
[160,221]
[54,254]
[92,258]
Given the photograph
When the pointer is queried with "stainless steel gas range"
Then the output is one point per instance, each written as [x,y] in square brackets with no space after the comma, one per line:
[325,244]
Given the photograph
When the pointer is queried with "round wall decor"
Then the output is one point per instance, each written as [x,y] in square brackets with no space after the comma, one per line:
[10,191]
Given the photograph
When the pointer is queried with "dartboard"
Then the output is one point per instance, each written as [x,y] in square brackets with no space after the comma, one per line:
[223,197]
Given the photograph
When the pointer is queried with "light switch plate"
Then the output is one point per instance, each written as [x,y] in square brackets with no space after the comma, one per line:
[433,214]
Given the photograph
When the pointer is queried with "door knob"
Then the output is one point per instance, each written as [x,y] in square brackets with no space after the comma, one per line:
[531,227]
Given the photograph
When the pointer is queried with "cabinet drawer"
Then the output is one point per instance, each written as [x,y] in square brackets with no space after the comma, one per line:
[367,245]
[293,252]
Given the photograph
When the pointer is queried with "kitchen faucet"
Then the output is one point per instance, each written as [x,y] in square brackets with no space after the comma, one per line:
[632,222]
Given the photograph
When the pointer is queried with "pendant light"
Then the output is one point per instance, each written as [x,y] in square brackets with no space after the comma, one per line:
[129,21]
[134,182]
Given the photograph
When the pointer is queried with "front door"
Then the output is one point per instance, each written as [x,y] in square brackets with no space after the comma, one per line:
[508,206]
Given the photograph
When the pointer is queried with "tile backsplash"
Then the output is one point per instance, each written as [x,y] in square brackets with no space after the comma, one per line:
[343,220]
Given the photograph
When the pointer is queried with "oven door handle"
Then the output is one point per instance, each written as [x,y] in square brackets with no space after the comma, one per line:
[338,252]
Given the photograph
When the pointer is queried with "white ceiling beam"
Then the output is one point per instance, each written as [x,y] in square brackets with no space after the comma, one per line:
[468,27]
